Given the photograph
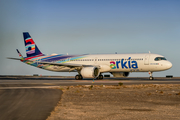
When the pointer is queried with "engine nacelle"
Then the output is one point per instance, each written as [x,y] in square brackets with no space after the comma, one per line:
[90,72]
[120,74]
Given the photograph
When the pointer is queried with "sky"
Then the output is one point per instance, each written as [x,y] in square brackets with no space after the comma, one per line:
[89,27]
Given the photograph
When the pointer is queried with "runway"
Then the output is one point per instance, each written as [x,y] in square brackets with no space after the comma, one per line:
[48,81]
[34,98]
[27,104]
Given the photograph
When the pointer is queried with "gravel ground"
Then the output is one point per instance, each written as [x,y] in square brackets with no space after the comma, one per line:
[138,102]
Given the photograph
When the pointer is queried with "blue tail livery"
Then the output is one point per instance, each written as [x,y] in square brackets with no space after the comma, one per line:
[31,48]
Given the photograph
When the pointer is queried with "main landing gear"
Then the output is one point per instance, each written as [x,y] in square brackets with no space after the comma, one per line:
[151,77]
[100,77]
[78,77]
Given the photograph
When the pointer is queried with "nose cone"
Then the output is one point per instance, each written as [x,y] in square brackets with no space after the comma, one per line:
[168,65]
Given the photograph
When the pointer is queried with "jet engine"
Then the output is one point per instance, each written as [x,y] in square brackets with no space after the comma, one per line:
[120,74]
[90,72]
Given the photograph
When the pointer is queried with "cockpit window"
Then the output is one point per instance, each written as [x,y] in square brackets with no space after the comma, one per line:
[159,58]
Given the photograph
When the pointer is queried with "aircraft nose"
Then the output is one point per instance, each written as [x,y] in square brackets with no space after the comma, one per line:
[168,65]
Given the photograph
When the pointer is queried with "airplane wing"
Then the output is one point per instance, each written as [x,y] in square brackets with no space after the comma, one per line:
[70,65]
[58,64]
[66,64]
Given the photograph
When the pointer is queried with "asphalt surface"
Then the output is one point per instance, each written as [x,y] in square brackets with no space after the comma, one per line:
[49,81]
[28,104]
[28,98]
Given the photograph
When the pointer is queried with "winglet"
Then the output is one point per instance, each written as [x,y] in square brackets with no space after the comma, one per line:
[22,58]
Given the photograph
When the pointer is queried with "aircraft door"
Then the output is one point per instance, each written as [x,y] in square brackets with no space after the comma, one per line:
[95,60]
[146,59]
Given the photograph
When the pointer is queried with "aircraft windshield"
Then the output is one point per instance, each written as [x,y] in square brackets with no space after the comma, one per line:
[159,58]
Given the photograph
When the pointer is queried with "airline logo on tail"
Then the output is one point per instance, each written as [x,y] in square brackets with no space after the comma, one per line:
[31,48]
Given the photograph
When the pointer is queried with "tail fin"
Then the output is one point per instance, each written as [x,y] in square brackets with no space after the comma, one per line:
[21,57]
[31,48]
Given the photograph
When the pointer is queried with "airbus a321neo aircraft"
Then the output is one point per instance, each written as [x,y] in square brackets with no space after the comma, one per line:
[92,66]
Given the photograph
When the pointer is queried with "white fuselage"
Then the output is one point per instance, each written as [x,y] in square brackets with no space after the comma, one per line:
[115,63]
[91,66]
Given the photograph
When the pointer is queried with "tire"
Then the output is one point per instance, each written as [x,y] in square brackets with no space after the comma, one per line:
[80,77]
[151,78]
[100,77]
[77,77]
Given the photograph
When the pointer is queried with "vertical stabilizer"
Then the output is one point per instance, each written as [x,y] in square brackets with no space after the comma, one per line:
[31,48]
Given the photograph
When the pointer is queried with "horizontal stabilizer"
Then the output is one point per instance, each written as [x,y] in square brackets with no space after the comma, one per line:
[20,59]
[14,58]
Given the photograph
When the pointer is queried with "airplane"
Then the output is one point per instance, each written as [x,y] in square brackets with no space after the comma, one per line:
[93,65]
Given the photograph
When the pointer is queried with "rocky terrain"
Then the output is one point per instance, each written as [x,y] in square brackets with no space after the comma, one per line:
[100,102]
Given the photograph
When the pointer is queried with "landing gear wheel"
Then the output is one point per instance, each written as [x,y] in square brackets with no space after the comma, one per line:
[78,77]
[100,77]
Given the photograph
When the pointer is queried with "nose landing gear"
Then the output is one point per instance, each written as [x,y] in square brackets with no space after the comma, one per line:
[151,77]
